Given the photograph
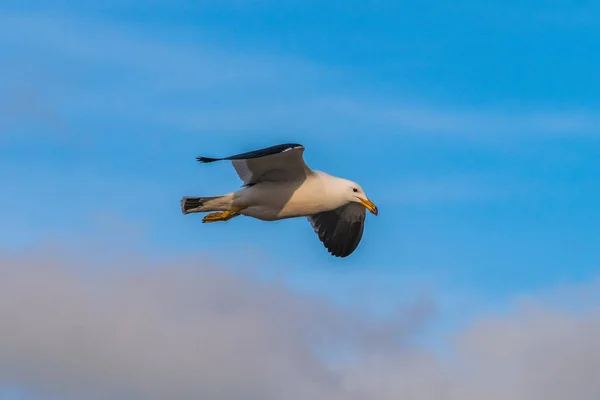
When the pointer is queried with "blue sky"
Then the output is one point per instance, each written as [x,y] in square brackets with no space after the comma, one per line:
[474,127]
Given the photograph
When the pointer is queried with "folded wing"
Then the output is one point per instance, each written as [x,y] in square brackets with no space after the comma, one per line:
[341,229]
[283,162]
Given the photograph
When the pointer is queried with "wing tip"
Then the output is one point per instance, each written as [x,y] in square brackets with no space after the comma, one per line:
[292,146]
[206,159]
[340,253]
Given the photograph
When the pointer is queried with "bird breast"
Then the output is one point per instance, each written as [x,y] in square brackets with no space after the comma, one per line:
[279,200]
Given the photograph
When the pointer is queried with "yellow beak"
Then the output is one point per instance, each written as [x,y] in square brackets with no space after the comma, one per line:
[369,205]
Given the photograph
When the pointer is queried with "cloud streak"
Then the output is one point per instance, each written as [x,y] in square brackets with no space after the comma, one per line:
[204,88]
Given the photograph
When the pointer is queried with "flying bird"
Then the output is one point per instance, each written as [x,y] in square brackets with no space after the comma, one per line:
[278,185]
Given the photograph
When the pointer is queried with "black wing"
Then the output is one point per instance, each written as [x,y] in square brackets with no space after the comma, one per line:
[267,151]
[283,162]
[341,229]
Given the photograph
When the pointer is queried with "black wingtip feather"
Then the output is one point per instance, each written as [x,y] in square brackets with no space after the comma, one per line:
[207,159]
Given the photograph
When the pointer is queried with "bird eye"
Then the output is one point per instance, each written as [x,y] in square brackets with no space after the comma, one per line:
[355,190]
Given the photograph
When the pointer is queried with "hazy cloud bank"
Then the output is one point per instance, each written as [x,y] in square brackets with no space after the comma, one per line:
[127,327]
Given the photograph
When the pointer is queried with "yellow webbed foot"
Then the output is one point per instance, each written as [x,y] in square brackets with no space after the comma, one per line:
[222,216]
[213,217]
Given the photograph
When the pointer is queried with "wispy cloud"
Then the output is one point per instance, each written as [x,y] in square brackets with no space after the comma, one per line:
[25,108]
[496,125]
[112,72]
[451,189]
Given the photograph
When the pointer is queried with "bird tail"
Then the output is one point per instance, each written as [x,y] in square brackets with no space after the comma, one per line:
[206,204]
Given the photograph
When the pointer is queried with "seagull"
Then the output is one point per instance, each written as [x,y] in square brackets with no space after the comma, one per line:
[277,184]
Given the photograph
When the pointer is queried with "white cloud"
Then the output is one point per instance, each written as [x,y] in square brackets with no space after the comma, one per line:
[537,353]
[100,325]
[132,328]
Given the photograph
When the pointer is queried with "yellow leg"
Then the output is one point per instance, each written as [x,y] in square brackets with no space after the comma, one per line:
[222,216]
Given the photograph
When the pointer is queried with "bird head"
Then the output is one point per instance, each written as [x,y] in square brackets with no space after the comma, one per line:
[356,194]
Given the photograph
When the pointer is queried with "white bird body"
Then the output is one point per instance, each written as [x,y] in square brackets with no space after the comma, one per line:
[279,185]
[270,201]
